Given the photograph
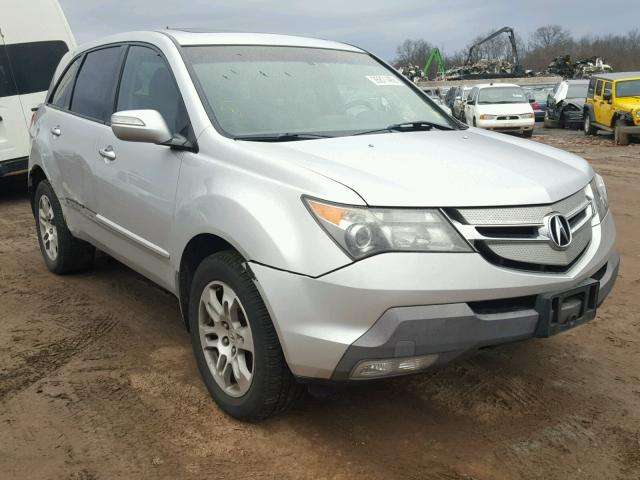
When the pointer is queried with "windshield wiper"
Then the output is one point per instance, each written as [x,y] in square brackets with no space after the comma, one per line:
[281,137]
[420,125]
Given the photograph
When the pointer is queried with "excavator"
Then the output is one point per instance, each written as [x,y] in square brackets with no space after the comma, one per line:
[437,56]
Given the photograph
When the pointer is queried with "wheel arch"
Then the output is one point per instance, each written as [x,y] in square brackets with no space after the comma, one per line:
[195,251]
[588,110]
[35,176]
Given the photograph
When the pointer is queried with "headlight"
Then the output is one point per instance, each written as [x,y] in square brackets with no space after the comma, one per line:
[600,198]
[638,113]
[486,116]
[526,115]
[362,231]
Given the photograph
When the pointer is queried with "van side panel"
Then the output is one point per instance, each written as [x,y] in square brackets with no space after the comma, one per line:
[32,35]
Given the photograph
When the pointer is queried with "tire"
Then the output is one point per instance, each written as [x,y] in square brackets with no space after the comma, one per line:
[61,251]
[619,137]
[256,383]
[587,127]
[527,133]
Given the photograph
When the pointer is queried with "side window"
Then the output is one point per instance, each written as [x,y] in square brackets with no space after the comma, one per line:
[592,87]
[33,64]
[607,87]
[147,84]
[7,84]
[62,94]
[599,86]
[95,86]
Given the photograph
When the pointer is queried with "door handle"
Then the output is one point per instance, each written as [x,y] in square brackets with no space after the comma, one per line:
[56,132]
[107,153]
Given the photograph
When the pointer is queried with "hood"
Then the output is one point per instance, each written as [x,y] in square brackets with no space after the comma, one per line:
[628,103]
[439,168]
[505,108]
[578,102]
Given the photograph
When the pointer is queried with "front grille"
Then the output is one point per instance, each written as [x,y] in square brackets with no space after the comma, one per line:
[516,237]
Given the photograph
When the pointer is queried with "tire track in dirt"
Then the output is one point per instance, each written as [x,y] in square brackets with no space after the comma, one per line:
[51,356]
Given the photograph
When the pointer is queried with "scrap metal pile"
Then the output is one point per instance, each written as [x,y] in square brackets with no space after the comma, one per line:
[412,72]
[582,68]
[484,66]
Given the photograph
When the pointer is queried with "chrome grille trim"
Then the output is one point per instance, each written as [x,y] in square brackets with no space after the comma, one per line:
[526,245]
[531,215]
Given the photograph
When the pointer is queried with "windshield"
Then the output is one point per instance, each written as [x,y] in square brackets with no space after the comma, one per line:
[271,90]
[501,95]
[539,95]
[628,88]
[577,91]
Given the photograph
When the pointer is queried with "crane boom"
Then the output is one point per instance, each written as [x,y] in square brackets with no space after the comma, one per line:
[512,38]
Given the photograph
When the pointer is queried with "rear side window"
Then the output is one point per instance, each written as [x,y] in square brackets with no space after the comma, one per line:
[7,84]
[599,88]
[93,95]
[592,87]
[33,64]
[62,95]
[147,84]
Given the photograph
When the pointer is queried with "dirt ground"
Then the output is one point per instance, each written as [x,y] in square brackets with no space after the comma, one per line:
[97,381]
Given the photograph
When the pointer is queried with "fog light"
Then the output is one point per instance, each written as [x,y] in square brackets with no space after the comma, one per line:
[392,366]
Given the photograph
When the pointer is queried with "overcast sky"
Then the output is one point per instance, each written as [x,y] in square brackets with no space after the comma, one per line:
[376,25]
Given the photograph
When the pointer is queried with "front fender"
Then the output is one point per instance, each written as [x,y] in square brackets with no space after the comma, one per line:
[255,205]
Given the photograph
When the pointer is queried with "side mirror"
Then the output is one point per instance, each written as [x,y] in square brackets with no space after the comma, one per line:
[147,126]
[607,96]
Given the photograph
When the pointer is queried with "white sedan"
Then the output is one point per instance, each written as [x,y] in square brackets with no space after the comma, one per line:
[502,107]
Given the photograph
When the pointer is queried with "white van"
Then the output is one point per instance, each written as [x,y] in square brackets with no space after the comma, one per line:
[34,35]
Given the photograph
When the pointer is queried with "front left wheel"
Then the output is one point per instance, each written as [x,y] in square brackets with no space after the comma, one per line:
[235,343]
[61,251]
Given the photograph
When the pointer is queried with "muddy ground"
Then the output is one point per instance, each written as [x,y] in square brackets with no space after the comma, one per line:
[97,381]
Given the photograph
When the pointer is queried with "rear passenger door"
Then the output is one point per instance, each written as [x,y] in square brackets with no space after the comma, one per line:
[136,192]
[598,102]
[76,118]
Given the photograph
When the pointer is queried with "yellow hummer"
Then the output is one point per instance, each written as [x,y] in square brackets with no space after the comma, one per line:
[613,105]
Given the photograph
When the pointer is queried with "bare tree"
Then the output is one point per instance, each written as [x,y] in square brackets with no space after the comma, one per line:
[412,51]
[549,36]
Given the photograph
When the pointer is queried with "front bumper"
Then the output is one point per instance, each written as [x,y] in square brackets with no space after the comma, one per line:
[507,125]
[326,324]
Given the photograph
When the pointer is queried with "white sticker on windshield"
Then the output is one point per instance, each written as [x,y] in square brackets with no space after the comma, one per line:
[383,80]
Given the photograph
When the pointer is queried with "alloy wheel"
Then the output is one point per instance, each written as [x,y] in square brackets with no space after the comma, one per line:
[226,338]
[48,231]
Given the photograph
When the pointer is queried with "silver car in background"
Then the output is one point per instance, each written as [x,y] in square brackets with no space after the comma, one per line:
[318,218]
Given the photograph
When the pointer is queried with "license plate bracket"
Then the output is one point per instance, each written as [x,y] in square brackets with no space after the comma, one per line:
[558,312]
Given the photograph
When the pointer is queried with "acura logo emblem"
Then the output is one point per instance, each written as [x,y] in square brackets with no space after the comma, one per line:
[559,230]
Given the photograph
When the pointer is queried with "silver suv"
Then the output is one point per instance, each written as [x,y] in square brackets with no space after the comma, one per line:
[318,218]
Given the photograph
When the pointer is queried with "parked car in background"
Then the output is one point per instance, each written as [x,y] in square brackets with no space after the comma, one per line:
[286,212]
[437,100]
[538,100]
[502,107]
[34,35]
[455,99]
[565,104]
[613,105]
